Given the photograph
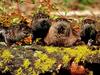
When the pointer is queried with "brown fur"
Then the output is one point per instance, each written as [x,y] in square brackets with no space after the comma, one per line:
[16,33]
[61,34]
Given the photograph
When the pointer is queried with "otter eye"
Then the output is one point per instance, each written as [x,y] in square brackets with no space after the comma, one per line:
[61,30]
[25,32]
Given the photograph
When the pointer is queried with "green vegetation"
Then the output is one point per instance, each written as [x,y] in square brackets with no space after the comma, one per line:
[44,63]
[87,2]
[26,63]
[66,53]
[45,58]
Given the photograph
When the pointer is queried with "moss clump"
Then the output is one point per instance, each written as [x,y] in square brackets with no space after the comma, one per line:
[44,63]
[66,59]
[26,63]
[19,71]
[50,49]
[6,56]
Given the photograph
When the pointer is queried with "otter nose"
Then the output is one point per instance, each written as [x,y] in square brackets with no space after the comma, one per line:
[79,38]
[90,41]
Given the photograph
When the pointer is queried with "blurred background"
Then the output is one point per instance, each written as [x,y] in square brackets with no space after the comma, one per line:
[11,11]
[28,7]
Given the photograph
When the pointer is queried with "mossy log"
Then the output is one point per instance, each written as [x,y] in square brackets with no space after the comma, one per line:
[35,59]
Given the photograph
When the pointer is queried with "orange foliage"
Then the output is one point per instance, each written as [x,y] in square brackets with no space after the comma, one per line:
[28,40]
[47,4]
[77,69]
[5,19]
[19,43]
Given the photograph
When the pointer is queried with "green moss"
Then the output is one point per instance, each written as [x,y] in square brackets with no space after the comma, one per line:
[15,20]
[51,49]
[6,69]
[6,56]
[19,71]
[26,63]
[66,59]
[79,52]
[44,63]
[31,71]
